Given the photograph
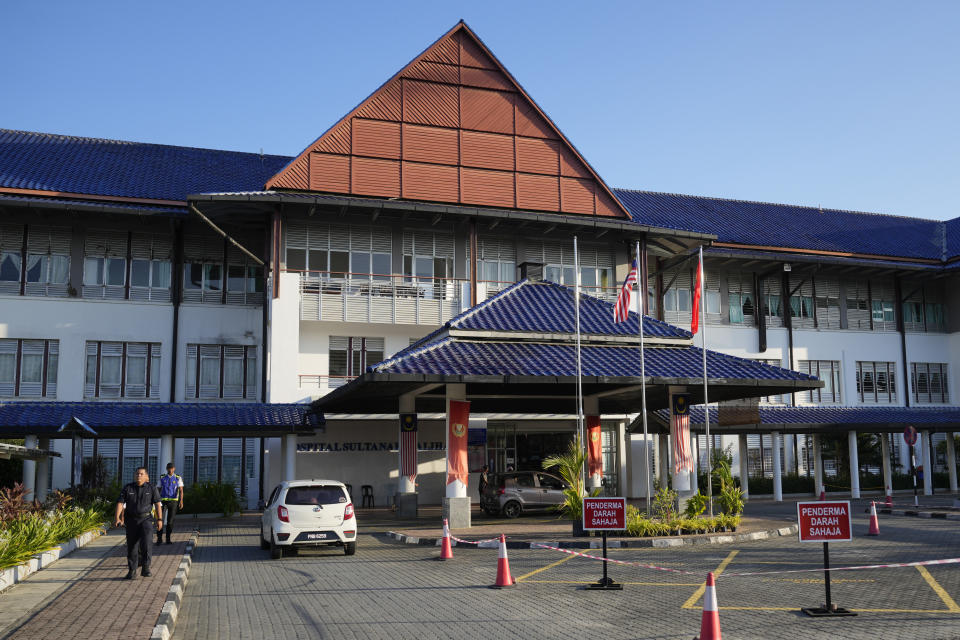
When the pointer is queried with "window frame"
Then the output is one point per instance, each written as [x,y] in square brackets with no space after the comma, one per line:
[50,362]
[872,368]
[152,362]
[196,358]
[820,368]
[942,369]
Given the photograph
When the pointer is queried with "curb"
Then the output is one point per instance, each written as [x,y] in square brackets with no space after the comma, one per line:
[167,620]
[723,538]
[942,515]
[15,575]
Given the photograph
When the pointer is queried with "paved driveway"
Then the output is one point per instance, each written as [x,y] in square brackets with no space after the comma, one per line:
[398,591]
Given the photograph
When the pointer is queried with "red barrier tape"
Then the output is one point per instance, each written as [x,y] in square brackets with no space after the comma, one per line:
[475,541]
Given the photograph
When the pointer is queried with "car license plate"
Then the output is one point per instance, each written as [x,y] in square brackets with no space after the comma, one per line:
[316,536]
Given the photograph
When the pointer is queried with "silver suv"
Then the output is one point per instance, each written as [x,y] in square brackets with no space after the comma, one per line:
[510,494]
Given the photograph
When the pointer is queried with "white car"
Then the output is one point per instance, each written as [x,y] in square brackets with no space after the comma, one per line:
[308,513]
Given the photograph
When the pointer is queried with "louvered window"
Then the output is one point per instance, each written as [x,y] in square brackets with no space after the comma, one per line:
[105,264]
[150,266]
[428,264]
[678,297]
[11,257]
[28,368]
[122,370]
[741,299]
[218,371]
[203,273]
[496,260]
[340,251]
[801,302]
[858,305]
[43,269]
[929,381]
[244,278]
[596,266]
[771,299]
[876,382]
[827,302]
[829,372]
[350,356]
[883,296]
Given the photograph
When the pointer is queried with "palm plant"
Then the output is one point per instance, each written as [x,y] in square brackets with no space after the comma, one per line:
[570,466]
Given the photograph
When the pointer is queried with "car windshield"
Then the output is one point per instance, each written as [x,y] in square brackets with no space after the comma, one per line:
[316,494]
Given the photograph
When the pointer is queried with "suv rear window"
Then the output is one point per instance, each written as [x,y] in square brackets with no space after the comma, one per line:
[316,494]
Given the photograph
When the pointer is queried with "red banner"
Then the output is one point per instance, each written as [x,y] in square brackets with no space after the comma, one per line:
[594,453]
[458,422]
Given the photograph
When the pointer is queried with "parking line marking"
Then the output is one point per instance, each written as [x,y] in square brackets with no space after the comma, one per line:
[640,584]
[549,566]
[855,610]
[692,600]
[940,591]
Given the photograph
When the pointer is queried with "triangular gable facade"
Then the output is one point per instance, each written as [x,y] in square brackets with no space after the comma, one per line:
[452,126]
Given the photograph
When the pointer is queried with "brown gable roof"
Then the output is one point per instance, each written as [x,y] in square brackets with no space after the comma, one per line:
[452,126]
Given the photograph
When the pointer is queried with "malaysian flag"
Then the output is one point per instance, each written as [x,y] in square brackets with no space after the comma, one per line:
[621,310]
[408,445]
[680,433]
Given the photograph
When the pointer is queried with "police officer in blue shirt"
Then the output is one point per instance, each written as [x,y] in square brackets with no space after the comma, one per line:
[171,494]
[135,510]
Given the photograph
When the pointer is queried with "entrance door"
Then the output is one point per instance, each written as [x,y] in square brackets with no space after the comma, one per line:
[501,447]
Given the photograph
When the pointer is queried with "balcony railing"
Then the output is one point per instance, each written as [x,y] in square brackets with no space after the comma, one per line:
[322,383]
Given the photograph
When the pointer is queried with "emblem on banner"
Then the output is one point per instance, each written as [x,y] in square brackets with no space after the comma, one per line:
[681,404]
[408,422]
[594,436]
[459,430]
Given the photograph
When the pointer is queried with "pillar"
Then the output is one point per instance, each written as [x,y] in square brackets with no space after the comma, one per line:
[854,464]
[817,465]
[30,468]
[166,454]
[663,453]
[904,456]
[43,472]
[591,407]
[777,473]
[885,466]
[789,457]
[952,462]
[744,466]
[290,456]
[926,451]
[695,452]
[625,455]
[456,503]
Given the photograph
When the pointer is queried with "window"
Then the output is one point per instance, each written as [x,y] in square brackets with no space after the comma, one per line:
[105,264]
[929,381]
[43,269]
[122,370]
[712,301]
[801,307]
[150,266]
[340,251]
[216,371]
[28,368]
[829,372]
[883,311]
[596,266]
[428,262]
[187,473]
[935,318]
[876,382]
[740,298]
[349,357]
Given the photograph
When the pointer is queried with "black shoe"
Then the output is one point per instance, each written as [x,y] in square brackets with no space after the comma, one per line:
[145,573]
[168,541]
[159,540]
[130,575]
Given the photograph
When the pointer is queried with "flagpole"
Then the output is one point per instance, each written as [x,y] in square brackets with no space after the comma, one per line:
[576,297]
[706,402]
[641,299]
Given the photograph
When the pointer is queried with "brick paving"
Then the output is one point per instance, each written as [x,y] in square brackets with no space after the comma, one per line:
[100,604]
[396,591]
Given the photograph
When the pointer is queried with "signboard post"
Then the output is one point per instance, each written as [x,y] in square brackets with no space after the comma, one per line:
[825,522]
[605,514]
[910,437]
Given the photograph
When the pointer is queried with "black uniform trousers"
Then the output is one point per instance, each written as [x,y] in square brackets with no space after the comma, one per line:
[139,542]
[170,508]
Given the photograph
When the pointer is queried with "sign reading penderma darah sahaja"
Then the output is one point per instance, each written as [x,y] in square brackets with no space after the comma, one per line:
[604,513]
[824,521]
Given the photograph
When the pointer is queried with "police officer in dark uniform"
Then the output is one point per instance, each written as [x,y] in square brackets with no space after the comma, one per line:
[135,510]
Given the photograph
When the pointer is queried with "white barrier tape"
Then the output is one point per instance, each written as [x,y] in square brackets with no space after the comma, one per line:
[622,562]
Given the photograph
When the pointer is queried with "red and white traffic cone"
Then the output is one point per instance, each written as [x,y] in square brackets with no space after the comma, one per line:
[823,494]
[874,523]
[888,503]
[710,619]
[504,579]
[446,549]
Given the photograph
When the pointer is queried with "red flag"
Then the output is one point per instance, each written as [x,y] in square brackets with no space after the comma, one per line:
[458,421]
[594,452]
[695,320]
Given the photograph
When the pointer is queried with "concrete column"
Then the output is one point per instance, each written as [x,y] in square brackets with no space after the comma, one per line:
[777,474]
[904,456]
[265,471]
[407,405]
[290,456]
[625,459]
[926,451]
[817,465]
[789,457]
[456,503]
[695,452]
[885,466]
[43,471]
[591,407]
[166,453]
[952,462]
[30,468]
[744,466]
[663,451]
[854,465]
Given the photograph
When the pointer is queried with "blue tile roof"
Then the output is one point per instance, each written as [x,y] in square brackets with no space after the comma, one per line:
[952,232]
[78,204]
[784,225]
[70,164]
[132,415]
[845,415]
[543,306]
[457,356]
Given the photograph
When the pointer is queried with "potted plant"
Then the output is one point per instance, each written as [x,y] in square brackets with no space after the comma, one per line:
[569,466]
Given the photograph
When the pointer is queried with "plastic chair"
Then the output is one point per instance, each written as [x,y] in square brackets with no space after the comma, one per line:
[367,493]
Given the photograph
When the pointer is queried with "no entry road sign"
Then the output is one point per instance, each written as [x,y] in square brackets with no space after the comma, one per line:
[824,521]
[910,435]
[604,514]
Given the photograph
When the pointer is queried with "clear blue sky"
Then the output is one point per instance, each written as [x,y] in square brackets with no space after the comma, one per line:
[850,105]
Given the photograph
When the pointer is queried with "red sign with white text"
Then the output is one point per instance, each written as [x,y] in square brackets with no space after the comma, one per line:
[604,513]
[824,521]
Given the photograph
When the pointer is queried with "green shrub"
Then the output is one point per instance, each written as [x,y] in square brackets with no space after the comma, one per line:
[211,497]
[665,504]
[696,505]
[731,500]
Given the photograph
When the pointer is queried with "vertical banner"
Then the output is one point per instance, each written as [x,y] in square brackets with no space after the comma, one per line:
[680,432]
[77,469]
[408,445]
[458,420]
[594,453]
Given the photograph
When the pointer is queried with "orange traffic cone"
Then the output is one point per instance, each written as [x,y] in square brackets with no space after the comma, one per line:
[823,494]
[446,550]
[710,619]
[874,523]
[504,579]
